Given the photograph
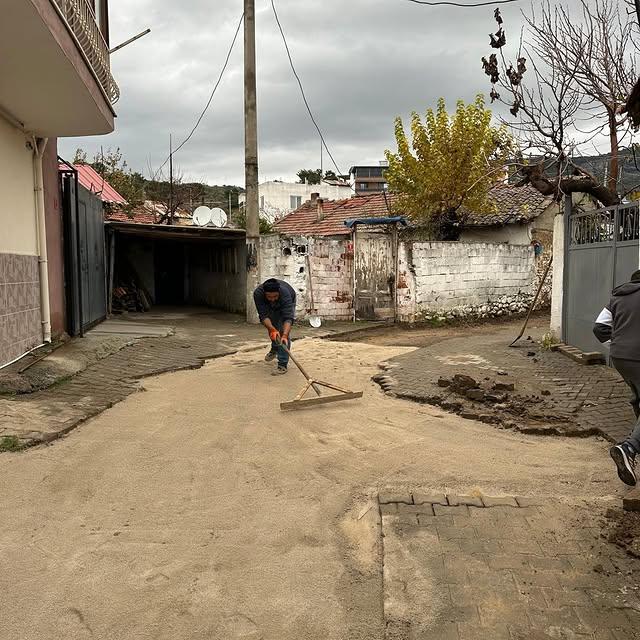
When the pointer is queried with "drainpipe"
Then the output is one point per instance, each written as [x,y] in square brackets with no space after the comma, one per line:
[39,145]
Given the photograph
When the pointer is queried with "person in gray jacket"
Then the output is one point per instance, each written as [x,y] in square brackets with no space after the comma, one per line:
[619,322]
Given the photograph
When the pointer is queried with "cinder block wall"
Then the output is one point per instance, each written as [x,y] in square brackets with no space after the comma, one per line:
[447,275]
[331,272]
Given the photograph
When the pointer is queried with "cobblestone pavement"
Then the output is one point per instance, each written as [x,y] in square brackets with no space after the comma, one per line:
[467,567]
[552,393]
[46,415]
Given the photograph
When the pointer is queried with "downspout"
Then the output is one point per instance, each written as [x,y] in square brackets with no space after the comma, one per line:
[39,145]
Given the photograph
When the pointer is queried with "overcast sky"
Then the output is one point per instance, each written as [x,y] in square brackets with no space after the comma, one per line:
[362,63]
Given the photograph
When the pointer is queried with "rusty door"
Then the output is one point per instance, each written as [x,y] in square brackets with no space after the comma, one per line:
[375,276]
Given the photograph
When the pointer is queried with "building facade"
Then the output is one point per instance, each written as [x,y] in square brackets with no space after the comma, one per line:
[277,199]
[56,82]
[366,179]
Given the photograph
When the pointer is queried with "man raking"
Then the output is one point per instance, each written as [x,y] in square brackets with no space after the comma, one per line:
[619,322]
[275,301]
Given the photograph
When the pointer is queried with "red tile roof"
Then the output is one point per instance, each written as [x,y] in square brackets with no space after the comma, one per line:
[90,179]
[304,220]
[148,212]
[514,205]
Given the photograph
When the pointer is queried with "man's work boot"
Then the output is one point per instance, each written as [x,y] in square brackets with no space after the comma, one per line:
[280,371]
[270,356]
[624,455]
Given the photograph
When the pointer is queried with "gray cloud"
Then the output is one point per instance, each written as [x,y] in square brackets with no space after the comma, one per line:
[362,62]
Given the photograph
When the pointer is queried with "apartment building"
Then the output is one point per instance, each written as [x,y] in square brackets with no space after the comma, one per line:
[55,81]
[366,179]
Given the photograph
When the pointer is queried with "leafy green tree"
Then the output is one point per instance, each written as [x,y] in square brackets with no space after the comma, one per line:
[240,218]
[312,176]
[452,160]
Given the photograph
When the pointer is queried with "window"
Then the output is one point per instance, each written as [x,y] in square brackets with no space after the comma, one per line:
[363,185]
[295,201]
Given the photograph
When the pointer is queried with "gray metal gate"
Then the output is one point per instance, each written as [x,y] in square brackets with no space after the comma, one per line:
[85,283]
[601,252]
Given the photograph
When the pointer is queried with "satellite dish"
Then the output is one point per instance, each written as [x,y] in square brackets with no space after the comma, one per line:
[202,216]
[218,217]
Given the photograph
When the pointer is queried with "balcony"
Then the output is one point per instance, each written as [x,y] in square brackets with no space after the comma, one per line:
[82,23]
[55,79]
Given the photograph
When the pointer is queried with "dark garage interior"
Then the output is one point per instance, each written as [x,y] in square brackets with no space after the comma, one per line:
[173,266]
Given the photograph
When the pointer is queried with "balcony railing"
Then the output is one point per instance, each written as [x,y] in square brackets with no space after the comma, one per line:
[82,23]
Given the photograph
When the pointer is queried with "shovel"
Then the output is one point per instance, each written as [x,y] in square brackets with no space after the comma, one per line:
[314,320]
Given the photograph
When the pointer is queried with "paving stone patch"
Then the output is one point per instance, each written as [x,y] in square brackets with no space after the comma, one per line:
[513,568]
[480,378]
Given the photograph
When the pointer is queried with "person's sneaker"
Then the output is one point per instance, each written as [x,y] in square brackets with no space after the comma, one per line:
[270,356]
[625,458]
[280,371]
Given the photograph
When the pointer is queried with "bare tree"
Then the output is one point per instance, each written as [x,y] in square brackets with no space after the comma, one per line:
[567,87]
[598,47]
[171,193]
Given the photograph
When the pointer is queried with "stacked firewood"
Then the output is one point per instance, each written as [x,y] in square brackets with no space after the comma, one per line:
[129,297]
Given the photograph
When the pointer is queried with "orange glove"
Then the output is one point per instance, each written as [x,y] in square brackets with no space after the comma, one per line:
[274,334]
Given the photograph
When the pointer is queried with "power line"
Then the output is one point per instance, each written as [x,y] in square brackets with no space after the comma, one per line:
[304,97]
[439,3]
[213,92]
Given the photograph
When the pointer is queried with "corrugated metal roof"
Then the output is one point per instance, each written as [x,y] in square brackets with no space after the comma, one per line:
[90,179]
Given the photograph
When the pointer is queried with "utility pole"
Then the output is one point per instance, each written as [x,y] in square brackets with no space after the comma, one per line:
[170,181]
[251,157]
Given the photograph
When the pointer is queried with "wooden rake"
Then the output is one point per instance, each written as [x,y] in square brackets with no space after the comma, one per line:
[300,402]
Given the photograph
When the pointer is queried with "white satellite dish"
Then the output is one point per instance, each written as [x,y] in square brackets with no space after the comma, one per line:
[202,216]
[218,217]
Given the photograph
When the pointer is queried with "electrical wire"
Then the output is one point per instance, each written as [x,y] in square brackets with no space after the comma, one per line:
[213,93]
[440,3]
[304,97]
[306,102]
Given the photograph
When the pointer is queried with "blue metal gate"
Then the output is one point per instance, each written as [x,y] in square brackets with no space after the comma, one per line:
[602,251]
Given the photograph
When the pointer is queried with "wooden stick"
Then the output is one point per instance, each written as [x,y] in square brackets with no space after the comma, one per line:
[533,304]
[302,371]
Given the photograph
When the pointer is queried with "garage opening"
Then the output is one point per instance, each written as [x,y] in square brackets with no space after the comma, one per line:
[161,265]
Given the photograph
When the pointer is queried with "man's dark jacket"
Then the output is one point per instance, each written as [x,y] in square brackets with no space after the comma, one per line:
[620,322]
[283,310]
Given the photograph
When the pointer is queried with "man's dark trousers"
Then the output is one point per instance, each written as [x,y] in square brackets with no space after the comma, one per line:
[630,372]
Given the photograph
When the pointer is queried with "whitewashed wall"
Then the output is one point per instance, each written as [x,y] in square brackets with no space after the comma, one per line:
[467,277]
[434,278]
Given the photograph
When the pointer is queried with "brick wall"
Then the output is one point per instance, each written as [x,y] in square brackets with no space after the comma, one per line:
[447,278]
[440,276]
[331,271]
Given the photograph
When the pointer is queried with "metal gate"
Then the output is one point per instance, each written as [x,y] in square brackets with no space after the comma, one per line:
[601,252]
[85,283]
[375,275]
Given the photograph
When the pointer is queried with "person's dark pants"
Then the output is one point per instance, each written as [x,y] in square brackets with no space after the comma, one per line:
[283,356]
[630,372]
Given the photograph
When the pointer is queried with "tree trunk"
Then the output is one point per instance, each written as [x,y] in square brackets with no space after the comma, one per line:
[612,183]
[449,225]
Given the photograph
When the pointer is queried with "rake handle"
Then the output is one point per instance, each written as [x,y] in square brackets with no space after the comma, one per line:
[302,371]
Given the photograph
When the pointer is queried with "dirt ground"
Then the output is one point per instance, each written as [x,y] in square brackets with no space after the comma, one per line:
[198,510]
[424,335]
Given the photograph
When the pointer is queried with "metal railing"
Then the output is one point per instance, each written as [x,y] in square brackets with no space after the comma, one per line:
[610,225]
[82,23]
